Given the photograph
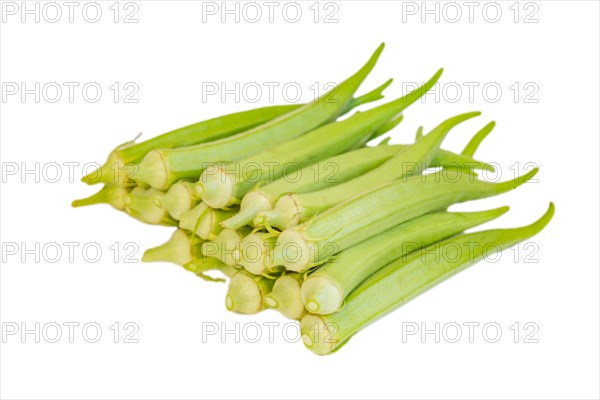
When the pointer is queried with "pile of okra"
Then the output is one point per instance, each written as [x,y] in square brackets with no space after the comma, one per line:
[316,216]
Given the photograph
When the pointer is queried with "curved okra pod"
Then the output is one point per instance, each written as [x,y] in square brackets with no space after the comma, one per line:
[161,168]
[221,186]
[404,279]
[200,132]
[292,209]
[325,289]
[313,242]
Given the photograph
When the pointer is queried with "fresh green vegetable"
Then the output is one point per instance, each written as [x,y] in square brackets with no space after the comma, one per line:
[293,209]
[406,278]
[161,168]
[327,287]
[285,296]
[329,231]
[221,186]
[247,292]
[116,170]
[204,221]
[311,243]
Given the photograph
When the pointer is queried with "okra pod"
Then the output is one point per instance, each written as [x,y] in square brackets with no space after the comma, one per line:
[311,243]
[324,291]
[407,277]
[161,168]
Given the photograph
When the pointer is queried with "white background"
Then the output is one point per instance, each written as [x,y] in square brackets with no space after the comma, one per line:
[169,54]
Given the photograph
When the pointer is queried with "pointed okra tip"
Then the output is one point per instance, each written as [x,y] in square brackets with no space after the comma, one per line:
[526,177]
[544,219]
[379,50]
[475,142]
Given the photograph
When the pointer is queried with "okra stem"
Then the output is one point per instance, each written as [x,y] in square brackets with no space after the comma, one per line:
[285,296]
[180,198]
[255,252]
[111,194]
[204,221]
[180,249]
[246,293]
[146,205]
[226,246]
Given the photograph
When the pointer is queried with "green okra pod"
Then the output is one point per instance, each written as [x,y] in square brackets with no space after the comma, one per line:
[311,243]
[325,289]
[292,209]
[221,186]
[161,168]
[407,277]
[115,171]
